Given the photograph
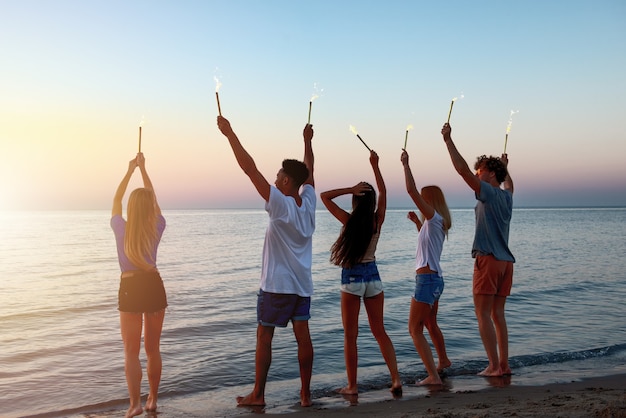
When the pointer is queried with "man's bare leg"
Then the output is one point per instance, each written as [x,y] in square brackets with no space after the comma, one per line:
[263,360]
[305,359]
[483,305]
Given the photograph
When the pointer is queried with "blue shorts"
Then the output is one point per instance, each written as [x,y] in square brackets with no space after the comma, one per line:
[428,288]
[277,309]
[361,280]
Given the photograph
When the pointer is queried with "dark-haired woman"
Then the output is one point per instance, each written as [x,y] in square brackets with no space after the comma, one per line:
[354,251]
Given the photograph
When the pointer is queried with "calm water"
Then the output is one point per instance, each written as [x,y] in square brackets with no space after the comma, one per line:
[60,349]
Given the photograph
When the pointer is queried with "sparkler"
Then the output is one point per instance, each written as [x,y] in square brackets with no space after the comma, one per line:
[313,97]
[354,131]
[452,104]
[406,135]
[217,95]
[508,128]
[140,125]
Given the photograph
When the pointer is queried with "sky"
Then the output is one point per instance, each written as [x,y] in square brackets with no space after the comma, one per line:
[78,78]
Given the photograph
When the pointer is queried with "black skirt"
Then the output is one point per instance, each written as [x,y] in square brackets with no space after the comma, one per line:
[143,292]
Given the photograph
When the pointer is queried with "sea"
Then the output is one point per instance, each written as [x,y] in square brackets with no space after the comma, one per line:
[61,352]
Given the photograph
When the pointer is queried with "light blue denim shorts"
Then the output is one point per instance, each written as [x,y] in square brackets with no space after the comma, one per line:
[428,288]
[361,280]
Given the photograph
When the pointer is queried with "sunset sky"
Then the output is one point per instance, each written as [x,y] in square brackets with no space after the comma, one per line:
[78,77]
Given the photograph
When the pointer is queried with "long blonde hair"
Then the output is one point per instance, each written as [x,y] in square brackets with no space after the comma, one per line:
[141,229]
[434,196]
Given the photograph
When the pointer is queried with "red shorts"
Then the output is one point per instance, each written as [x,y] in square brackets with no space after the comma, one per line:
[492,277]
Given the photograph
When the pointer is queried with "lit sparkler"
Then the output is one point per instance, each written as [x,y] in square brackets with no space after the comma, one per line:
[452,104]
[217,95]
[406,135]
[508,128]
[354,131]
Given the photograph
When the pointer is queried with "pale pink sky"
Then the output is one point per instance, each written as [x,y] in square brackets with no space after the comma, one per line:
[77,78]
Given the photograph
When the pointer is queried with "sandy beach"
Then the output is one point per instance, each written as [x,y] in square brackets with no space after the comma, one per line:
[596,397]
[601,397]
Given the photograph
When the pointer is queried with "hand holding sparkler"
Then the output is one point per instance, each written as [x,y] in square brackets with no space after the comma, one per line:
[224,126]
[446,131]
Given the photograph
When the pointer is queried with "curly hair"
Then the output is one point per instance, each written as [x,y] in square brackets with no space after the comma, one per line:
[357,233]
[493,164]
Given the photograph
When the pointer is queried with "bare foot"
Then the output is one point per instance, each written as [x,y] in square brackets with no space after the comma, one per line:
[305,398]
[506,370]
[491,372]
[443,364]
[349,391]
[133,412]
[396,389]
[250,400]
[151,404]
[430,381]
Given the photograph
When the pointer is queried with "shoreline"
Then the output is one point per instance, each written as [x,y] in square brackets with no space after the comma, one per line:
[597,396]
[601,396]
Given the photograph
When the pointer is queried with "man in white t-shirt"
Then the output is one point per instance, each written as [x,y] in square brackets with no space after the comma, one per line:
[286,283]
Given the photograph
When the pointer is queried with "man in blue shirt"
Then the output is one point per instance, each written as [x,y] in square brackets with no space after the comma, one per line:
[493,266]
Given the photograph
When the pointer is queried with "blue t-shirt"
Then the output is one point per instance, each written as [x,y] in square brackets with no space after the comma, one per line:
[493,216]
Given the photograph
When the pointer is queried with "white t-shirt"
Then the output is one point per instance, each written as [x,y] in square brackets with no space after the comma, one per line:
[430,244]
[288,246]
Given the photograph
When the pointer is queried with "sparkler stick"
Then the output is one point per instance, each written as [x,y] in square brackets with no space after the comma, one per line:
[139,138]
[508,128]
[450,111]
[353,129]
[313,97]
[217,96]
[406,135]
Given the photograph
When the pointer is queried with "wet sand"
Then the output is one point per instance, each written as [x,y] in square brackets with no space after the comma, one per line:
[601,397]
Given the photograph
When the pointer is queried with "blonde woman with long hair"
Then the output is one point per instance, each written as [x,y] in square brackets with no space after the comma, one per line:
[141,298]
[432,226]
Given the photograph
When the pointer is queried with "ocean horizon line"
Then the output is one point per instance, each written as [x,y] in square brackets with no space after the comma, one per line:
[523,207]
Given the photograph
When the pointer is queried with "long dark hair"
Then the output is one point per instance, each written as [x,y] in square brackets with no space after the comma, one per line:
[357,233]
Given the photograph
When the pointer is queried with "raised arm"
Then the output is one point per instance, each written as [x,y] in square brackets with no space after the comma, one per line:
[121,189]
[308,153]
[328,196]
[508,182]
[381,208]
[460,165]
[147,183]
[244,159]
[426,209]
[334,209]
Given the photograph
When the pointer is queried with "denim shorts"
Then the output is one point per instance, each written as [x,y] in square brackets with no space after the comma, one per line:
[277,309]
[361,280]
[428,288]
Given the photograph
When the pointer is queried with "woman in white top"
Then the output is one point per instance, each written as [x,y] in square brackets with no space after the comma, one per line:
[355,251]
[432,226]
